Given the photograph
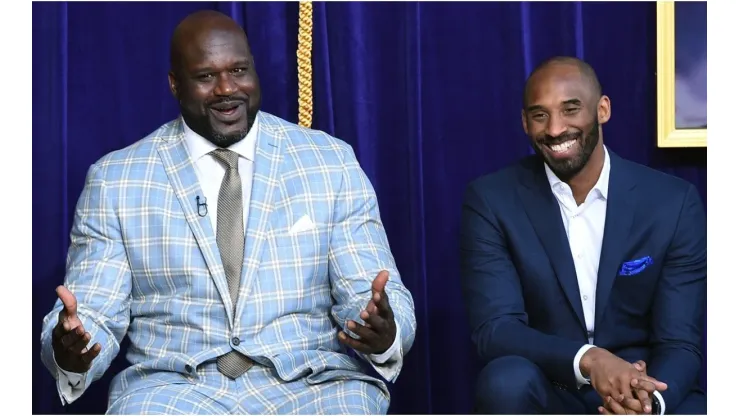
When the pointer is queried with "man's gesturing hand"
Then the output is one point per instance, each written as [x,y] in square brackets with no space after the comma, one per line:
[379,330]
[69,338]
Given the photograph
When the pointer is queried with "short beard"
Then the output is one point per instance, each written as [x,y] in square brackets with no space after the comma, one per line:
[569,168]
[202,126]
[227,140]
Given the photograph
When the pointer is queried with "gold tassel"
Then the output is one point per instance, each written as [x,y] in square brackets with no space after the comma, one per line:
[305,71]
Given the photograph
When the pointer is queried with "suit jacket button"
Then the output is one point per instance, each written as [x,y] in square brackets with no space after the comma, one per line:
[235,341]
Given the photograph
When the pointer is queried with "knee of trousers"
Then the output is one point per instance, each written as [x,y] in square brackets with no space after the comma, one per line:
[508,383]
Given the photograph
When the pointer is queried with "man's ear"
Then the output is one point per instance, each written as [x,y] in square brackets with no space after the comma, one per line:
[604,109]
[524,123]
[173,84]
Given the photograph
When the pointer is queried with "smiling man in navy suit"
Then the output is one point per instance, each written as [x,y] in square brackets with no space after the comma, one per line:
[584,274]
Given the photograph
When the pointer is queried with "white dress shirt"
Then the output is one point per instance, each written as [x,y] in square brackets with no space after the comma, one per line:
[210,173]
[584,226]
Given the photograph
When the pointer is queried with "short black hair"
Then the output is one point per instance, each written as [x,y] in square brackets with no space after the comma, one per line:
[583,67]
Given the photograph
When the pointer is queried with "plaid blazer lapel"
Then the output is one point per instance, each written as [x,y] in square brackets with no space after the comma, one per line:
[265,181]
[181,172]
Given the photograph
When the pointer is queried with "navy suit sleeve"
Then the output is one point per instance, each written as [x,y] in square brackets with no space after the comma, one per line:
[494,300]
[680,304]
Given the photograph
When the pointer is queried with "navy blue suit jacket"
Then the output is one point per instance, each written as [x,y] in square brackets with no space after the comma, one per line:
[521,288]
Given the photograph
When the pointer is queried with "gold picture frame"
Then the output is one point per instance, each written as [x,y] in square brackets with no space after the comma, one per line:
[668,134]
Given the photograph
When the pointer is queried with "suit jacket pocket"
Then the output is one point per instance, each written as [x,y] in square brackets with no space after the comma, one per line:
[637,266]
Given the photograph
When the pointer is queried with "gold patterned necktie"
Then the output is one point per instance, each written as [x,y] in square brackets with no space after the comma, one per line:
[230,240]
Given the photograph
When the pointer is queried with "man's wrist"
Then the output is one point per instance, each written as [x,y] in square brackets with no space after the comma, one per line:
[587,361]
[581,380]
[390,352]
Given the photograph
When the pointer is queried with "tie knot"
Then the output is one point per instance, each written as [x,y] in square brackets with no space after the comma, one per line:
[226,157]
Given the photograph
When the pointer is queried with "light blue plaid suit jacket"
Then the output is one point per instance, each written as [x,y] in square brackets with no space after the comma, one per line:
[142,261]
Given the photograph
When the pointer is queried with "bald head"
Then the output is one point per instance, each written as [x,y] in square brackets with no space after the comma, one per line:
[559,65]
[213,77]
[194,27]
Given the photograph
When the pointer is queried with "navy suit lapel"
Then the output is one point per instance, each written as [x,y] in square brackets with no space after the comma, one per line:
[620,210]
[544,213]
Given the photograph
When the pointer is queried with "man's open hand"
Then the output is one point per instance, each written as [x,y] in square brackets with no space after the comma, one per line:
[378,332]
[69,339]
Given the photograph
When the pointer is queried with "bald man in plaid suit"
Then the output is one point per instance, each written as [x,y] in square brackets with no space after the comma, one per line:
[243,255]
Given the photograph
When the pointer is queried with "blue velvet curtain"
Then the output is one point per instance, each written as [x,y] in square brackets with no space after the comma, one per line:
[428,94]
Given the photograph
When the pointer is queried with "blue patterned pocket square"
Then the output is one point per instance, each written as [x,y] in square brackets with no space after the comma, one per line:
[631,268]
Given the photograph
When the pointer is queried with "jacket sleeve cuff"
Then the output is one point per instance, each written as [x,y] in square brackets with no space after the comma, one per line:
[662,402]
[389,363]
[70,386]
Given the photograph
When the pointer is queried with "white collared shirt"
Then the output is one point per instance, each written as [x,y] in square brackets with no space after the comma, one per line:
[211,172]
[584,226]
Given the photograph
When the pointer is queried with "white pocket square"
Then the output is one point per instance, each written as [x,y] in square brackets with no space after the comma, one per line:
[303,224]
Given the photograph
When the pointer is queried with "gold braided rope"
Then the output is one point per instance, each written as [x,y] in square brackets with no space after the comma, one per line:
[305,43]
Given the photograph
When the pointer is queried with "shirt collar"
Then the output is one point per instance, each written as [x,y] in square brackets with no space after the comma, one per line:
[198,146]
[602,185]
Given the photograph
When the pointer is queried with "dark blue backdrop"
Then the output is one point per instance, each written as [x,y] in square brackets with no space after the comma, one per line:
[428,94]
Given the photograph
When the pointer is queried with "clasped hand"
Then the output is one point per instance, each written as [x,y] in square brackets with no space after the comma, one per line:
[626,388]
[378,332]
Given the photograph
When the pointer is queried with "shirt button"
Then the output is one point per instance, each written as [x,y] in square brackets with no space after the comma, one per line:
[585,297]
[235,341]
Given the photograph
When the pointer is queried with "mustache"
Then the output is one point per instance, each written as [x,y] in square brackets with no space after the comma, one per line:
[567,136]
[228,100]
